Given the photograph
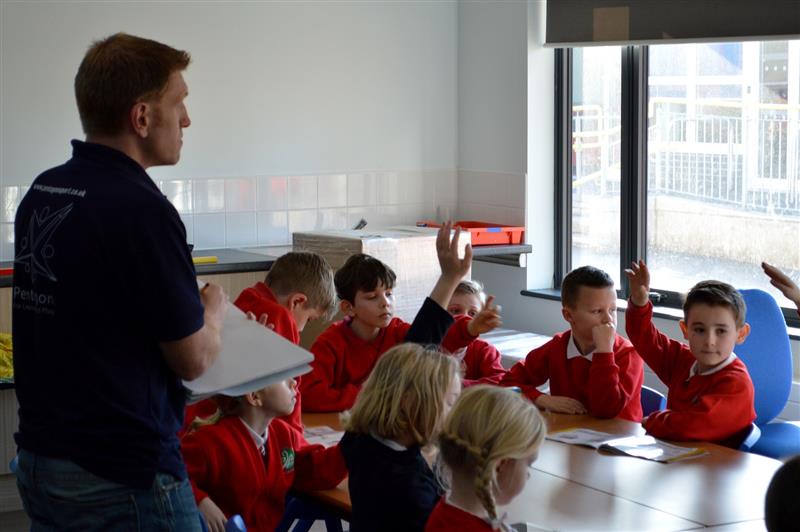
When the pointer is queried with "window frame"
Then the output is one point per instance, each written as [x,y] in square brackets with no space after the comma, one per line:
[633,172]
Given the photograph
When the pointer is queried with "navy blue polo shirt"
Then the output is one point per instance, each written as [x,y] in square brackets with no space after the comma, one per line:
[102,274]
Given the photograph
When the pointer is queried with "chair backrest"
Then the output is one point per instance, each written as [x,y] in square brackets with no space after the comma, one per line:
[652,400]
[767,354]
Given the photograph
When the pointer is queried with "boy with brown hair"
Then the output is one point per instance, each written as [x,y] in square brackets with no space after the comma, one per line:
[590,367]
[710,392]
[346,352]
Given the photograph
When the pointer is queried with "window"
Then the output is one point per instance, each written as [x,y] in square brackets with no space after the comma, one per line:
[687,155]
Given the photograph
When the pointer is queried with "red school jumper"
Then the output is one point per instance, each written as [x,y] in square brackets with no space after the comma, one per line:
[716,407]
[225,464]
[609,385]
[446,518]
[342,361]
[482,363]
[259,300]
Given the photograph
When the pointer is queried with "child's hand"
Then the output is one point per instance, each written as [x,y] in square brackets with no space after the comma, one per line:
[560,404]
[447,251]
[214,517]
[487,319]
[782,282]
[639,279]
[261,319]
[603,336]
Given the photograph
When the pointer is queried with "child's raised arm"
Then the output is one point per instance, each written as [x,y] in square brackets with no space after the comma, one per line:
[453,268]
[783,282]
[432,321]
[639,279]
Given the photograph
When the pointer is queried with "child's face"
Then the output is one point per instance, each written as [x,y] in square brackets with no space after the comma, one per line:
[451,396]
[512,474]
[374,308]
[278,399]
[712,333]
[303,314]
[464,305]
[595,306]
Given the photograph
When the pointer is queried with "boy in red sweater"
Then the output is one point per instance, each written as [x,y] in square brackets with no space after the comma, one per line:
[346,352]
[480,359]
[710,392]
[591,368]
[245,459]
[298,289]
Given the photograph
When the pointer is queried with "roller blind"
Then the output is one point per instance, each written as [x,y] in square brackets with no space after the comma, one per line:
[609,22]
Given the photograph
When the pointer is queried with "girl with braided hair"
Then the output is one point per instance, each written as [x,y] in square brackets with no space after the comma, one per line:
[397,414]
[487,444]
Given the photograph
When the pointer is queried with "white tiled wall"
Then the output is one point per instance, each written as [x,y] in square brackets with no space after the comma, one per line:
[261,211]
[491,197]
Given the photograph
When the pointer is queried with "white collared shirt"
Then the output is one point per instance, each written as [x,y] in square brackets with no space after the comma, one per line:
[693,370]
[259,439]
[573,351]
[391,444]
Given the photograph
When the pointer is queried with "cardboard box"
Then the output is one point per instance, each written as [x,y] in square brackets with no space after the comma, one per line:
[410,251]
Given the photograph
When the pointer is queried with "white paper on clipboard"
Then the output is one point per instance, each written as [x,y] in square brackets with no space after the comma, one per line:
[252,356]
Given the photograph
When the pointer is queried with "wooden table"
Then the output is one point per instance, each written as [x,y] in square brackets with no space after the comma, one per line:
[578,488]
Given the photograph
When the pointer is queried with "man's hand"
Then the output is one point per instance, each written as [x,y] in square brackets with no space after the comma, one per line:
[560,404]
[486,320]
[783,282]
[639,279]
[603,337]
[215,303]
[214,517]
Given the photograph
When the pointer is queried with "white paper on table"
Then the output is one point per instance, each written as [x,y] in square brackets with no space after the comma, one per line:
[252,357]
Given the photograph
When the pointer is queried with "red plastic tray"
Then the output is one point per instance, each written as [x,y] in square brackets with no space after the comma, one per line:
[485,233]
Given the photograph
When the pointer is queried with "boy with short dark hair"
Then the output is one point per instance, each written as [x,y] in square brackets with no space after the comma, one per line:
[710,392]
[591,369]
[346,352]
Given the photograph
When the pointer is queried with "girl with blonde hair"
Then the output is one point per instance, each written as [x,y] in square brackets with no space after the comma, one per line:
[487,443]
[398,412]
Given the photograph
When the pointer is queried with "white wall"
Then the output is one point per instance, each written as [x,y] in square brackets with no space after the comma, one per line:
[314,91]
[491,111]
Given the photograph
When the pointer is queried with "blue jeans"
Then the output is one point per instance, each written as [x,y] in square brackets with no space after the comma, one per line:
[60,495]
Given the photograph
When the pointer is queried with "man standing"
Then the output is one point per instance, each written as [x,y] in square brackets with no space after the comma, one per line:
[107,317]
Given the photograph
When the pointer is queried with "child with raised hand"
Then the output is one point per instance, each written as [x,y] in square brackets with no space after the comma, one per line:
[590,367]
[245,458]
[710,392]
[346,352]
[784,283]
[482,362]
[398,412]
[487,444]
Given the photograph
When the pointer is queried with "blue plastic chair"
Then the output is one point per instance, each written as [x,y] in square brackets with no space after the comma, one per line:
[768,357]
[652,400]
[305,513]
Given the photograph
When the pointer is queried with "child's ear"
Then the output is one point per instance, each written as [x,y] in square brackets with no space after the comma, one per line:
[298,298]
[684,329]
[346,307]
[567,314]
[742,333]
[252,399]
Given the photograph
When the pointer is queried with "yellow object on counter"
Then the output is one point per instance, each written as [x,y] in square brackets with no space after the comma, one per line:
[6,357]
[211,259]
